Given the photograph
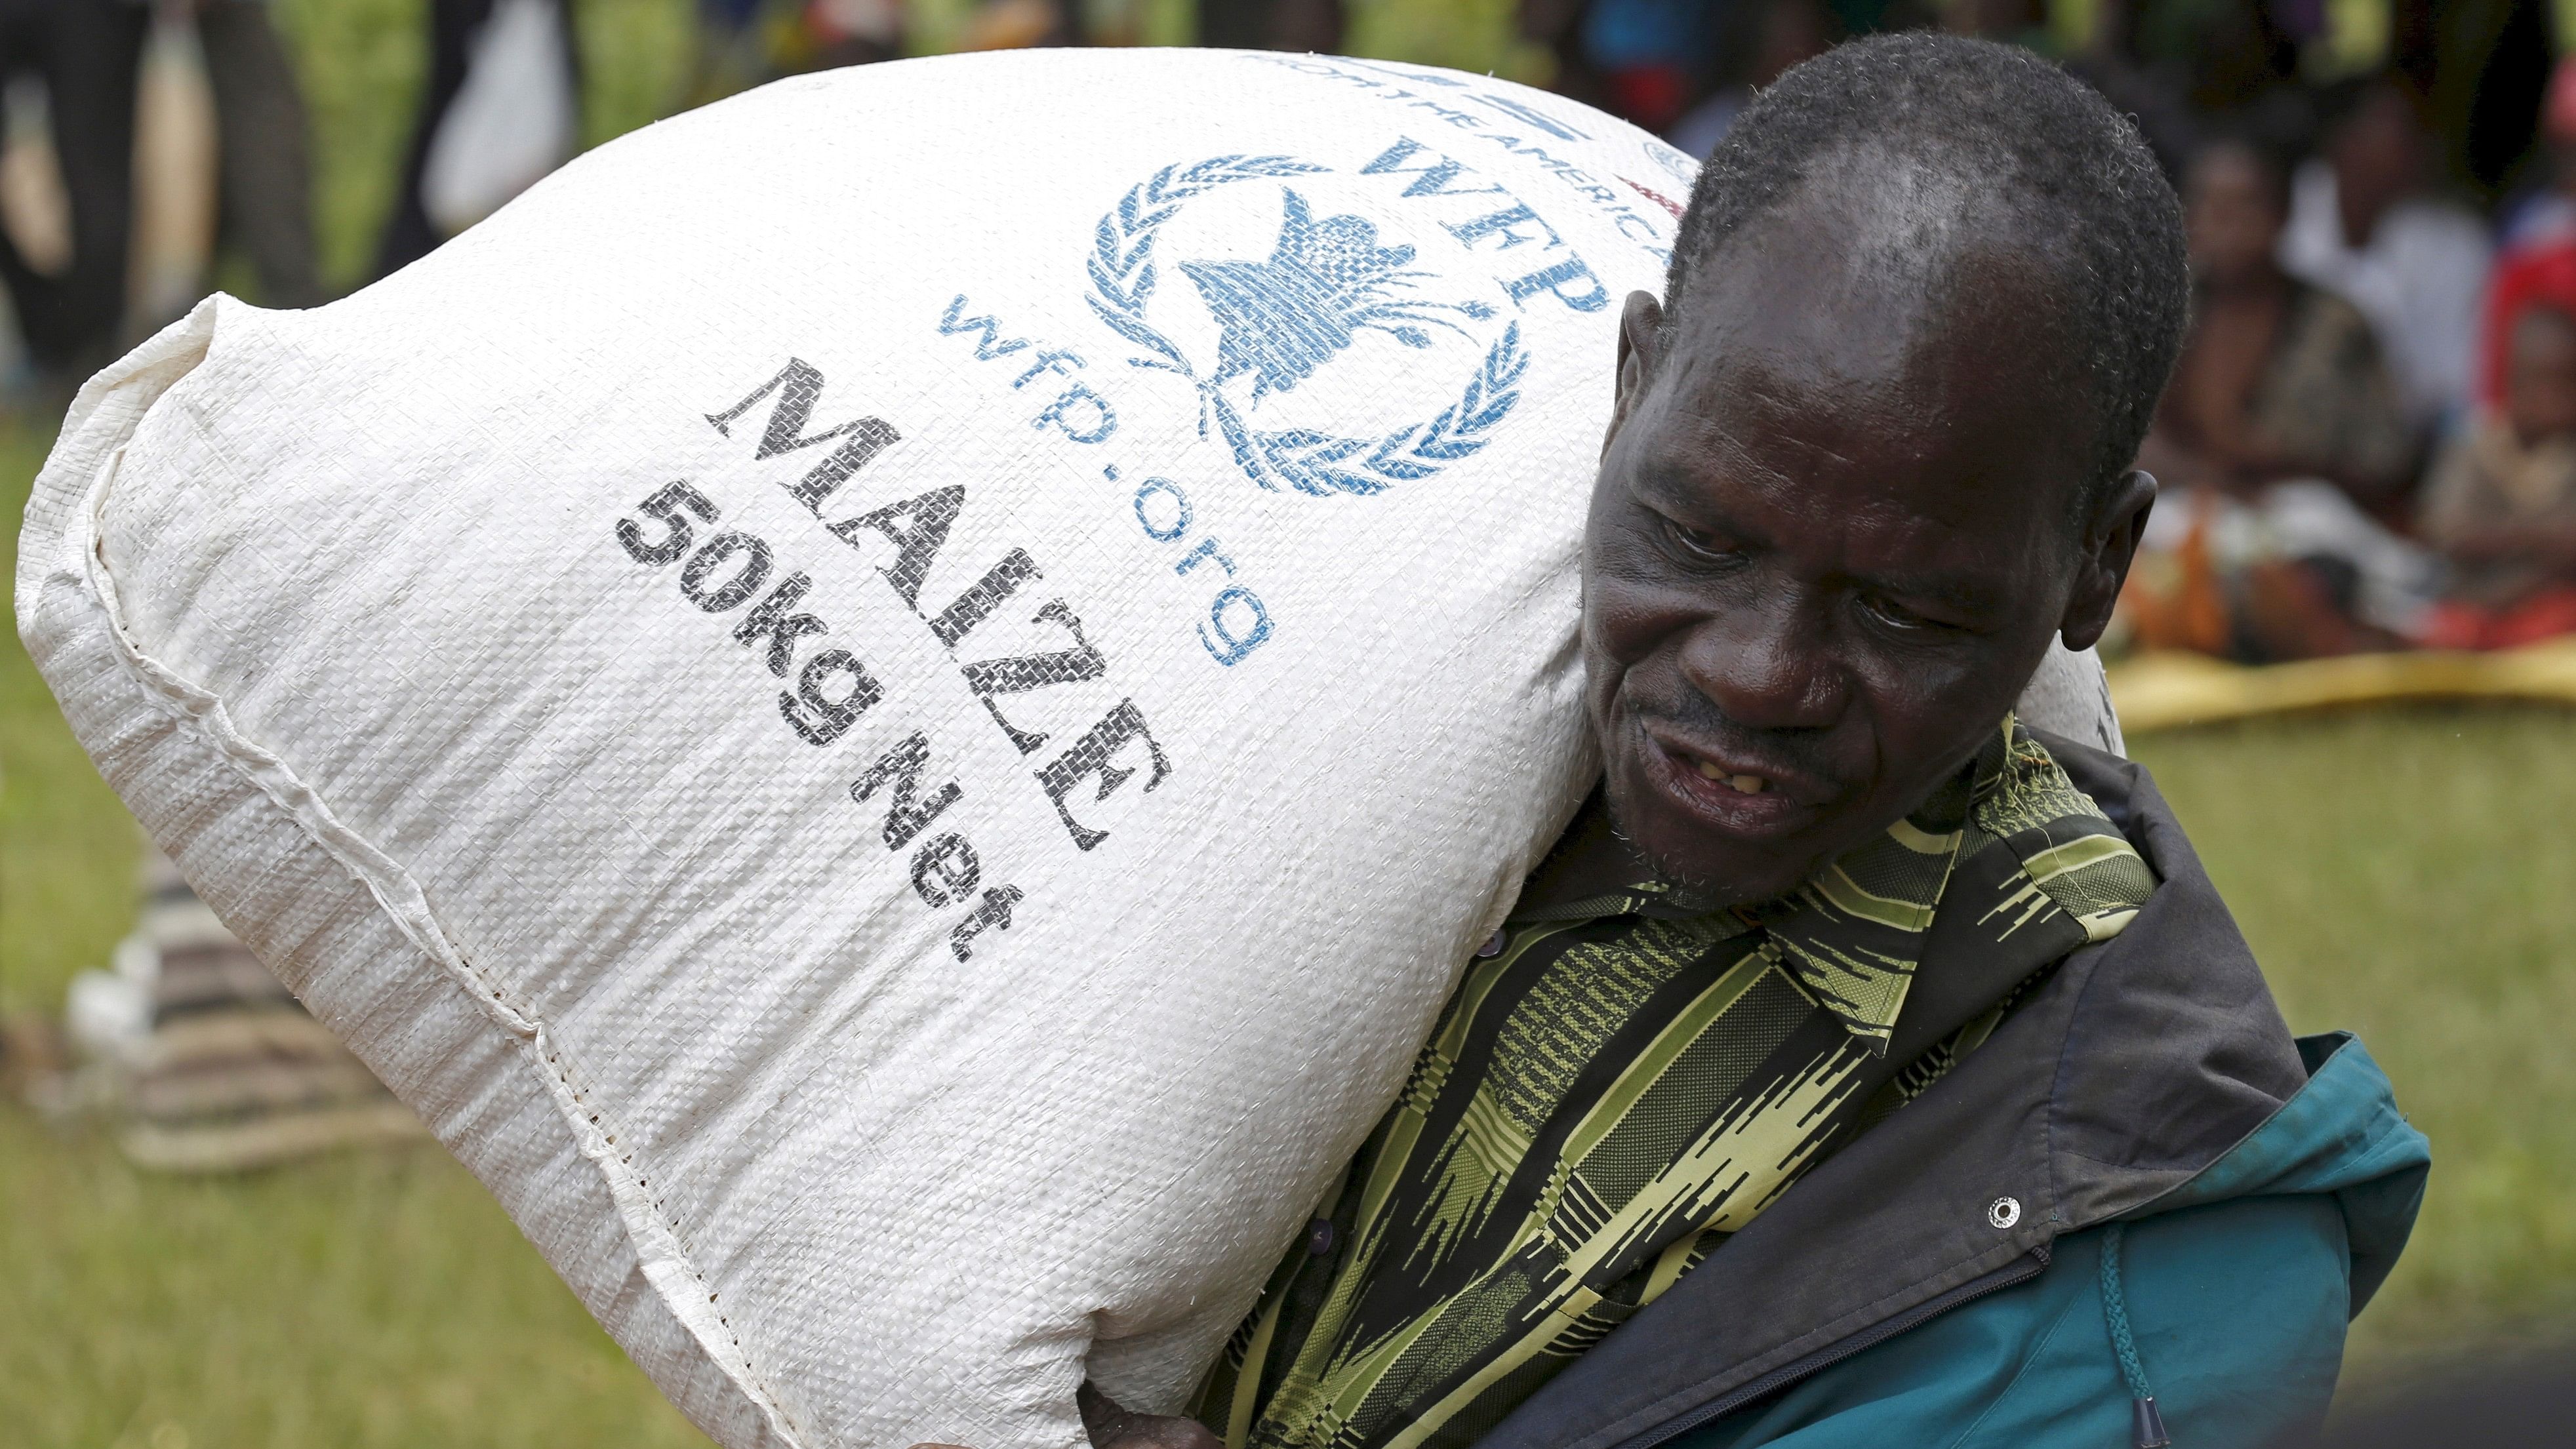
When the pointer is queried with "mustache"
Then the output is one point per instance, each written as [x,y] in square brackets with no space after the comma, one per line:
[1693,718]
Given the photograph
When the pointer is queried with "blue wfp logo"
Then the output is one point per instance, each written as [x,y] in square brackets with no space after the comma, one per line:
[1282,318]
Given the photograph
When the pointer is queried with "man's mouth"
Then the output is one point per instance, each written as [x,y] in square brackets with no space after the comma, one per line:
[1741,783]
[1738,797]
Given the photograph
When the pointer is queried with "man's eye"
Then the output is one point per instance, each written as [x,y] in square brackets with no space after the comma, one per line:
[1695,544]
[1896,616]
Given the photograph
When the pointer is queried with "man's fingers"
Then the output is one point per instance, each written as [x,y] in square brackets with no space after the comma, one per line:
[1154,1431]
[1112,1427]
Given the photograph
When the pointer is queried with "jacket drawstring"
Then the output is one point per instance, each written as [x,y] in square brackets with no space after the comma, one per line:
[2149,1425]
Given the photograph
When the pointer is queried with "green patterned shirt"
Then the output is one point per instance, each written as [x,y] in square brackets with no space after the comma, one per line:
[1620,1083]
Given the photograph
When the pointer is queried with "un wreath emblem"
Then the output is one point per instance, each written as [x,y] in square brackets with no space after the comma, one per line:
[1283,319]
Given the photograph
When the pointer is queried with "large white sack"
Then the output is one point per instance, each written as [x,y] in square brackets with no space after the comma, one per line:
[890,986]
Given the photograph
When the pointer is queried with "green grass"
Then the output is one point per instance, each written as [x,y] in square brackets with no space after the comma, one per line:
[2412,876]
[368,1300]
[375,1300]
[67,850]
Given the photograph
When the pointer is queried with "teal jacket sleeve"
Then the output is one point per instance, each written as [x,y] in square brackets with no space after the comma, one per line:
[2237,1312]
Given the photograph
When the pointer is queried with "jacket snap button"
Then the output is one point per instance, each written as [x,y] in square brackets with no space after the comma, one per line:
[2003,1212]
[1493,947]
[1319,1237]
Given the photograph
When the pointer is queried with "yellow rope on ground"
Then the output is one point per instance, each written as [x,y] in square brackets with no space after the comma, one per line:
[2169,690]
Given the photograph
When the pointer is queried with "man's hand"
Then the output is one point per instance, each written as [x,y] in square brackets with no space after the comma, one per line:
[1112,1427]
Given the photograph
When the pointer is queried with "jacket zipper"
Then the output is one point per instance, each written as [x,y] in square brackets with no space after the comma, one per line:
[2034,1263]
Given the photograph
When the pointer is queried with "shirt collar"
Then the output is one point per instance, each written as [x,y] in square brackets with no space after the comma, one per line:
[1852,936]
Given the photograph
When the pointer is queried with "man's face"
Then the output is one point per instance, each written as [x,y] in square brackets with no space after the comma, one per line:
[1827,548]
[2231,215]
[2377,154]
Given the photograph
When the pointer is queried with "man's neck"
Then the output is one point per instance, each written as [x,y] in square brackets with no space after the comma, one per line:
[1594,858]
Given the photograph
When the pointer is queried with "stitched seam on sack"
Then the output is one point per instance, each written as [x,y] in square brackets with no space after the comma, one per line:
[192,707]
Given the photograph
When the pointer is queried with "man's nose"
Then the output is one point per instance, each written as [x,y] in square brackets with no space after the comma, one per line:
[1767,665]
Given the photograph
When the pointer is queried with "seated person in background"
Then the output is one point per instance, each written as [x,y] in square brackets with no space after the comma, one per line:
[1860,1068]
[2538,261]
[2502,501]
[2278,379]
[2364,221]
[2281,435]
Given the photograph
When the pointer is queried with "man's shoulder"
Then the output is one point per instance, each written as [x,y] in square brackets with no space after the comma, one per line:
[2225,1299]
[2123,795]
[2175,1010]
[2043,806]
[2106,781]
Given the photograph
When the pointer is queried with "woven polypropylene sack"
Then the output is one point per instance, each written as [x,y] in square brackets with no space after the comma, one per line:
[891,704]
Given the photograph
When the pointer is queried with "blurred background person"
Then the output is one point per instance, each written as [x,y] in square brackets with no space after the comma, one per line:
[502,107]
[1755,40]
[1633,58]
[1017,25]
[2153,92]
[2536,260]
[2280,429]
[1295,25]
[851,32]
[1556,28]
[80,59]
[1645,50]
[2012,22]
[2502,501]
[2280,378]
[264,156]
[2239,66]
[745,43]
[731,53]
[2365,223]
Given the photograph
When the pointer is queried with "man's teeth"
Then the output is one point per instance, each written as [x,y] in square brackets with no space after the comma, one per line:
[1749,784]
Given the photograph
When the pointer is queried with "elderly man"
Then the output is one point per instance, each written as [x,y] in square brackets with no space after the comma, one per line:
[1860,1069]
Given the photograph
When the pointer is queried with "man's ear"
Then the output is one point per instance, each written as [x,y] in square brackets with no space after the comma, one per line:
[2110,544]
[1641,340]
